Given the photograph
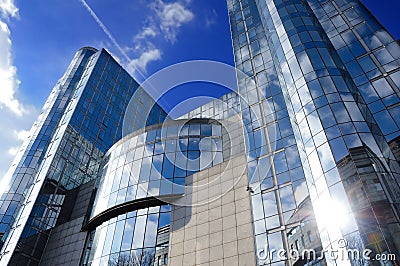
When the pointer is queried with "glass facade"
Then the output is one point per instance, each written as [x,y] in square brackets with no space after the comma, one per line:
[314,64]
[370,55]
[26,164]
[226,106]
[156,162]
[134,238]
[280,191]
[322,74]
[80,121]
[149,163]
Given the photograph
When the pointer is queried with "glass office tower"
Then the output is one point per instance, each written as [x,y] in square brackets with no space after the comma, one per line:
[80,121]
[329,71]
[322,77]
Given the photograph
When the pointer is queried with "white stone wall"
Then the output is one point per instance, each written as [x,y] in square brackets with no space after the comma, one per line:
[214,228]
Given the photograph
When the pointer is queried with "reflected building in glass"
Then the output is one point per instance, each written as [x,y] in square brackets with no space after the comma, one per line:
[303,157]
[329,74]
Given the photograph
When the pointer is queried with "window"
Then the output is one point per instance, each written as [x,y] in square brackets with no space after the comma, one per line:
[246,12]
[310,236]
[242,36]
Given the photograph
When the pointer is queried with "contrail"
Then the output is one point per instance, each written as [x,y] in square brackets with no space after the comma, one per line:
[108,33]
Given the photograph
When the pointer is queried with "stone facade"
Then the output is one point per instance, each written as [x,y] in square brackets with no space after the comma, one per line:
[212,230]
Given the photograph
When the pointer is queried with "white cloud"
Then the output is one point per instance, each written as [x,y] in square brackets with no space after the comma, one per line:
[172,16]
[13,151]
[211,19]
[301,192]
[14,116]
[13,135]
[8,8]
[9,82]
[145,58]
[168,18]
[21,135]
[147,31]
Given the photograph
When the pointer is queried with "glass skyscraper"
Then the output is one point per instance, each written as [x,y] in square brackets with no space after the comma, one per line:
[302,159]
[80,121]
[330,72]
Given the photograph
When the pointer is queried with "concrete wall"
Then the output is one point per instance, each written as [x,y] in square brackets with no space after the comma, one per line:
[214,228]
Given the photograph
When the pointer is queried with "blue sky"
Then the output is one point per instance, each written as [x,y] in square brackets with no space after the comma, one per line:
[39,37]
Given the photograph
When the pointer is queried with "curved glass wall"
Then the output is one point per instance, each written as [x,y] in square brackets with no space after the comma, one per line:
[149,163]
[332,122]
[370,54]
[134,238]
[277,177]
[155,162]
[333,143]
